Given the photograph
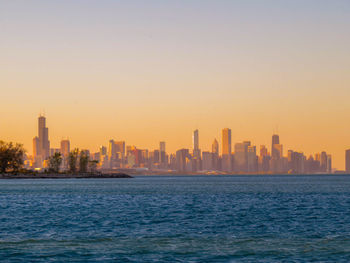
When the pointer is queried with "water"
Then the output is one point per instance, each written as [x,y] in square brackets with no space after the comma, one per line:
[176,219]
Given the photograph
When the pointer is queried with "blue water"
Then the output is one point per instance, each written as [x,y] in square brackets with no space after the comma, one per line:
[176,219]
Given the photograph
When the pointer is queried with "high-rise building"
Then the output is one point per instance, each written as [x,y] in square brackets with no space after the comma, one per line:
[195,140]
[144,157]
[37,160]
[296,162]
[111,150]
[43,136]
[207,161]
[196,160]
[156,157]
[252,159]
[277,163]
[215,154]
[162,155]
[226,141]
[329,163]
[120,148]
[134,157]
[276,152]
[311,165]
[196,150]
[264,160]
[215,147]
[226,161]
[104,163]
[263,150]
[182,160]
[65,148]
[323,162]
[103,150]
[36,146]
[162,147]
[347,161]
[240,158]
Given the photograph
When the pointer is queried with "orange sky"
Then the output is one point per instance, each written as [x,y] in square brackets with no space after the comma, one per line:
[146,73]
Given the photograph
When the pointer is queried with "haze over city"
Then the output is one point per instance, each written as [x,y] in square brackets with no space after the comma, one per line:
[155,71]
[175,131]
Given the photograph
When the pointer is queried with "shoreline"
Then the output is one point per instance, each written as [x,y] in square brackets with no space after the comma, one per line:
[64,176]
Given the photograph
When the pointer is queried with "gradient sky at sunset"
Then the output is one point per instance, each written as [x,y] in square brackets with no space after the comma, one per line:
[145,71]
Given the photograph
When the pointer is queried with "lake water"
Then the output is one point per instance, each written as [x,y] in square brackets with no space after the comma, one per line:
[176,219]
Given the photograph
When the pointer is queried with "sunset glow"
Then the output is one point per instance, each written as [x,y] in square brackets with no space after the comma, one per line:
[157,70]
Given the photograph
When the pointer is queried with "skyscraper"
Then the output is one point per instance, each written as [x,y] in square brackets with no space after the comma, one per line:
[65,148]
[43,139]
[215,147]
[196,160]
[264,159]
[275,148]
[111,150]
[103,150]
[226,141]
[263,151]
[252,159]
[196,150]
[182,158]
[208,162]
[277,165]
[323,162]
[329,163]
[347,161]
[195,140]
[162,154]
[120,148]
[36,146]
[215,154]
[162,146]
[226,163]
[241,156]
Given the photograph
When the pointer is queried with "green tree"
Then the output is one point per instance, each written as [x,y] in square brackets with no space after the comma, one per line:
[83,161]
[55,162]
[73,160]
[93,165]
[11,157]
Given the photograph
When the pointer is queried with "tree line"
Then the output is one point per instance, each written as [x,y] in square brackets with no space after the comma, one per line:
[12,160]
[78,161]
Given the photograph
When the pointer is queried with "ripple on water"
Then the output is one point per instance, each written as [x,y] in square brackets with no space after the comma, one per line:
[212,219]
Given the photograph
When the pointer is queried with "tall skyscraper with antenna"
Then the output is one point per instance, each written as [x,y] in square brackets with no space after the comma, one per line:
[41,142]
[44,142]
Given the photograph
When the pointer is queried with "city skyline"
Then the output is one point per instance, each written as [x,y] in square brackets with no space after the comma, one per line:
[157,71]
[242,158]
[194,145]
[165,131]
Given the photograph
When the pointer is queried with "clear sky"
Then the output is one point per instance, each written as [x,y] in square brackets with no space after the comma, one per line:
[145,71]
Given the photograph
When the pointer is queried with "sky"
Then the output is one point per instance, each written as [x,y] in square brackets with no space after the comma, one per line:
[150,71]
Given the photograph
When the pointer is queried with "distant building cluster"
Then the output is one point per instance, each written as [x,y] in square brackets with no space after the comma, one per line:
[240,158]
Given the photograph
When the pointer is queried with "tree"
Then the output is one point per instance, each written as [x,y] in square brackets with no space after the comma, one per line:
[11,157]
[72,160]
[55,162]
[93,165]
[83,161]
